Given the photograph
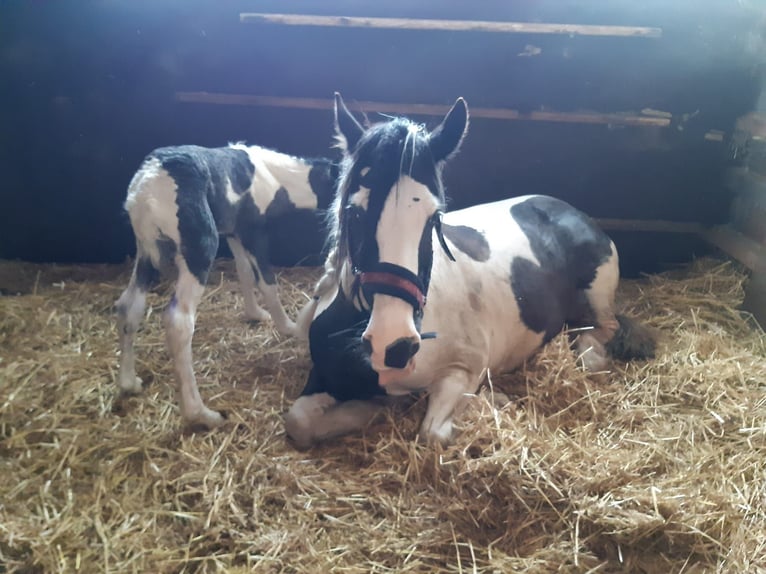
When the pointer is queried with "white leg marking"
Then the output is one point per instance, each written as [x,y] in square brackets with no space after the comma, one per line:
[179,325]
[446,397]
[303,321]
[591,352]
[130,311]
[253,311]
[270,295]
[319,417]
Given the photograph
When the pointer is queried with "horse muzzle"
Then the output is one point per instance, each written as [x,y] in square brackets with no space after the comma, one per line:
[388,378]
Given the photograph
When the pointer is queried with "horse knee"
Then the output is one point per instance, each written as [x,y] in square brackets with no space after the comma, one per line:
[592,352]
[301,420]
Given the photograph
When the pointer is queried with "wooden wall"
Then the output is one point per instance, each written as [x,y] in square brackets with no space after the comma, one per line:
[90,87]
[746,180]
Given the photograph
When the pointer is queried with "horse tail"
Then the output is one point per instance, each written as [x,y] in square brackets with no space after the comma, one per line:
[632,340]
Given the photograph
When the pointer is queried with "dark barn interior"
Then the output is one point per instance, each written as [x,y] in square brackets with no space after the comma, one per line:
[624,125]
[648,115]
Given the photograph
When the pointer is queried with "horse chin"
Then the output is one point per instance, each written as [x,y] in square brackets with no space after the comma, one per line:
[391,379]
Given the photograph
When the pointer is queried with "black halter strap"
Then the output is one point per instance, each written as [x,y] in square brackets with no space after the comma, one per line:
[395,280]
[437,221]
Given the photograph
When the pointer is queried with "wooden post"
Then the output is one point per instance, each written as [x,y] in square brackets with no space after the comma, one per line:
[452,25]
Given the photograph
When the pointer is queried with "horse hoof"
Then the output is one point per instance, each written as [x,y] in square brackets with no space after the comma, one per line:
[259,316]
[205,420]
[298,429]
[289,330]
[131,388]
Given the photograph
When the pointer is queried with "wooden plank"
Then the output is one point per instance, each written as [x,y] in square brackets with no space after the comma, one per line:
[451,25]
[419,109]
[748,252]
[649,225]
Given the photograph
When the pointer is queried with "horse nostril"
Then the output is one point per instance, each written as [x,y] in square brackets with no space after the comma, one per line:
[367,345]
[399,353]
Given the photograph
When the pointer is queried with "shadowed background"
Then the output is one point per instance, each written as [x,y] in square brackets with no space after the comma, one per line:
[89,88]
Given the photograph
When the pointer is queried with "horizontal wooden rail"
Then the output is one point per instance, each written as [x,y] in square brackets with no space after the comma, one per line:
[421,109]
[452,25]
[650,225]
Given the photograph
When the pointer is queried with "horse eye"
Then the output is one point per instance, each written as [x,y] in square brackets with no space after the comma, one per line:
[354,212]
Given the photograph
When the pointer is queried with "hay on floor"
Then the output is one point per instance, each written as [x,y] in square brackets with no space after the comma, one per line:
[654,467]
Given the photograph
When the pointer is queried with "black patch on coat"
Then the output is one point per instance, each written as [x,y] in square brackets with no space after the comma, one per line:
[167,249]
[146,274]
[280,205]
[188,166]
[570,249]
[323,177]
[340,365]
[468,240]
[250,227]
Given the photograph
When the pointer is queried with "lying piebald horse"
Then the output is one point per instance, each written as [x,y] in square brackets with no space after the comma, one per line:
[180,201]
[485,287]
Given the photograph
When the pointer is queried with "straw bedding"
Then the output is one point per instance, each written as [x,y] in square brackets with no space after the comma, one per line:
[654,467]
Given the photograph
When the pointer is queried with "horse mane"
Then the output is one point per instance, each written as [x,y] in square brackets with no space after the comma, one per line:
[337,245]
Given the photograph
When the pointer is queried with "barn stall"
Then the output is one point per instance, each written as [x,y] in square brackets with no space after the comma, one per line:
[644,116]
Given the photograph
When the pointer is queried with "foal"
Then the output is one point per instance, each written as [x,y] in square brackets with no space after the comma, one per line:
[180,201]
[397,313]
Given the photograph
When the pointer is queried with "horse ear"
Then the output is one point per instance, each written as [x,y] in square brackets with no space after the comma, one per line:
[347,129]
[446,138]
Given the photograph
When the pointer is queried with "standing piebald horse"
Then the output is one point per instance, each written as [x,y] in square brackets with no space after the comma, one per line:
[179,201]
[493,282]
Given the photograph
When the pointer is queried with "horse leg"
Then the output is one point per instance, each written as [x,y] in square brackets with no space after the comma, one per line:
[318,417]
[446,397]
[253,311]
[256,243]
[179,327]
[130,312]
[591,344]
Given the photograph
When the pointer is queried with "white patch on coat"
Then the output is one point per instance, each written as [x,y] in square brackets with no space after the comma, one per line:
[470,340]
[360,198]
[274,170]
[151,205]
[231,195]
[405,212]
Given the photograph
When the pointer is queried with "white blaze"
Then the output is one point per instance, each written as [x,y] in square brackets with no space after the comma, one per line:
[405,213]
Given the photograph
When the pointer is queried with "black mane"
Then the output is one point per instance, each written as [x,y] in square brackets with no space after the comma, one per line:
[390,149]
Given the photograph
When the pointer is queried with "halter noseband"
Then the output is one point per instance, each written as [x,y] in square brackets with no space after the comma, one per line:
[397,281]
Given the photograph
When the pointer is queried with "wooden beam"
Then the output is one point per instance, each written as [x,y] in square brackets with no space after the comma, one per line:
[420,109]
[650,225]
[452,25]
[748,252]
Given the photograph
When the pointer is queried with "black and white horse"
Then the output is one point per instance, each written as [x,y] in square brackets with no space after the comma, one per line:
[180,201]
[413,301]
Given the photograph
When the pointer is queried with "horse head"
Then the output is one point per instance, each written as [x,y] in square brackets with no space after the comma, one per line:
[388,210]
